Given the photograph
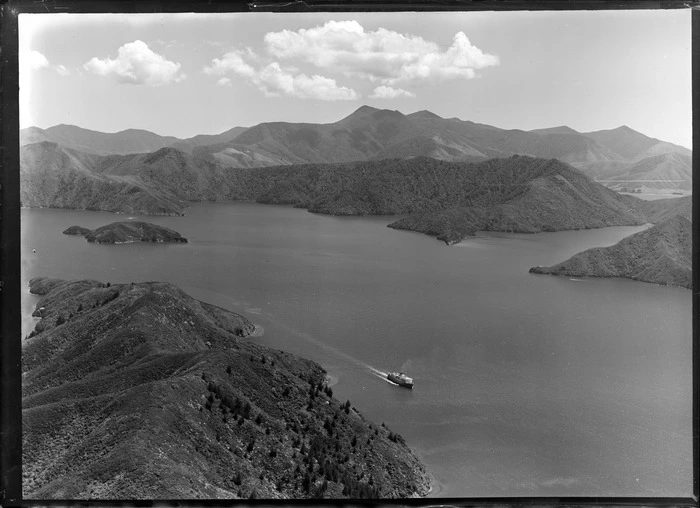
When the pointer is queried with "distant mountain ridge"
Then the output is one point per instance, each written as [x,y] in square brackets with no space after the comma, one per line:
[371,133]
[670,171]
[118,143]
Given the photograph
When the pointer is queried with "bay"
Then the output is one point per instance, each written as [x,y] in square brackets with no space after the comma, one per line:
[525,385]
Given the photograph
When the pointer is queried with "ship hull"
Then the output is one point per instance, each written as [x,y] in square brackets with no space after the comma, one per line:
[399,381]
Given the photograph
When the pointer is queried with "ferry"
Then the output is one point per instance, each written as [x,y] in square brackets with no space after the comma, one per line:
[400,379]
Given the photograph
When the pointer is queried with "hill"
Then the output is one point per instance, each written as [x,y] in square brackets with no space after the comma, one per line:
[58,177]
[189,144]
[523,194]
[633,145]
[117,408]
[658,172]
[119,143]
[661,254]
[95,142]
[661,209]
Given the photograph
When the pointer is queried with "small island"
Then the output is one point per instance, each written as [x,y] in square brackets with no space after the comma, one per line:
[128,232]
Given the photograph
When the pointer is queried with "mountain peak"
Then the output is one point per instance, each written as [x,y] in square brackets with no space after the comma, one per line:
[424,113]
[366,108]
[621,130]
[560,129]
[363,113]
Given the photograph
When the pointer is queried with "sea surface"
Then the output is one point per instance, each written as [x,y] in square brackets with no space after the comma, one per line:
[525,385]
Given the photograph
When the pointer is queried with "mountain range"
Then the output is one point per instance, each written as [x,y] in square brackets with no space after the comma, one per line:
[370,133]
[450,177]
[139,391]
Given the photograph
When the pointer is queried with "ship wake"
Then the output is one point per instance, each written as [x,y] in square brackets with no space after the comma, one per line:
[381,375]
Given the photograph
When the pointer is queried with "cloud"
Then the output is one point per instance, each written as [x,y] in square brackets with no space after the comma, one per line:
[383,55]
[233,62]
[137,64]
[387,92]
[224,82]
[275,81]
[35,60]
[61,70]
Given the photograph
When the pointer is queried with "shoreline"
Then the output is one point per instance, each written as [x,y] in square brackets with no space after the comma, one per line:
[331,380]
[258,331]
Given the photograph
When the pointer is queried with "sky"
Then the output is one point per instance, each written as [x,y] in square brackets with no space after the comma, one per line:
[187,74]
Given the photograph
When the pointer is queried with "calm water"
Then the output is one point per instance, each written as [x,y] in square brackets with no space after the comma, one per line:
[526,385]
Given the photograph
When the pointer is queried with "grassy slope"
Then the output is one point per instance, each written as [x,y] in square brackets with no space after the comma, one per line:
[139,391]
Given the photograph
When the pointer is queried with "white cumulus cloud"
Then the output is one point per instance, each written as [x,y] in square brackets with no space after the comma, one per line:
[137,64]
[224,82]
[34,60]
[275,81]
[232,61]
[382,55]
[388,92]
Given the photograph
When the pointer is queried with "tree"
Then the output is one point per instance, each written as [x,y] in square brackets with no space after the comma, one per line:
[306,484]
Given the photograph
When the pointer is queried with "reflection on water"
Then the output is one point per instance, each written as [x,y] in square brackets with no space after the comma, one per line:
[525,385]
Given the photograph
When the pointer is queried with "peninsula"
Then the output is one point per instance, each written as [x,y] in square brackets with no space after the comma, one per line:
[661,254]
[139,391]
